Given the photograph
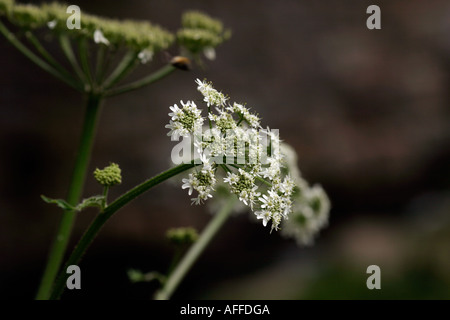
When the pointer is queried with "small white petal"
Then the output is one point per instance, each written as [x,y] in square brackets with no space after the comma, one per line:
[209,53]
[52,24]
[145,56]
[100,38]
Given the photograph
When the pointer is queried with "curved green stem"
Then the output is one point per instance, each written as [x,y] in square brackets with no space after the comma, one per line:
[195,251]
[101,219]
[161,73]
[79,174]
[34,58]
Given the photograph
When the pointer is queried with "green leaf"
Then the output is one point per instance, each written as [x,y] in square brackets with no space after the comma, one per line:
[59,202]
[95,201]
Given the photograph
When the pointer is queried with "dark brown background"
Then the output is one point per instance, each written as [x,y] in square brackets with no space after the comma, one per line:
[367,111]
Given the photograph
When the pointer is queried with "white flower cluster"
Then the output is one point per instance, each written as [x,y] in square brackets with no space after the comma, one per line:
[234,150]
[310,211]
[185,121]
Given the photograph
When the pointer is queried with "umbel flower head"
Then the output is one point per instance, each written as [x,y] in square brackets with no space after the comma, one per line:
[310,211]
[199,32]
[108,176]
[235,151]
[135,35]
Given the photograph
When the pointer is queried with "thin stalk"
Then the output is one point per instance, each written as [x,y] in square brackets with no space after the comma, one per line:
[157,75]
[75,190]
[34,58]
[209,120]
[240,119]
[195,251]
[101,64]
[123,68]
[105,199]
[256,177]
[101,219]
[52,61]
[84,59]
[68,51]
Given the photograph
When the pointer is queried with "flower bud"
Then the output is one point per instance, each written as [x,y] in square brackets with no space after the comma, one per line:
[109,176]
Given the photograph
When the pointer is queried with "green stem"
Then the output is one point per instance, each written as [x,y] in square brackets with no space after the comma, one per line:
[209,120]
[34,58]
[75,189]
[84,59]
[101,219]
[123,68]
[240,119]
[105,195]
[52,61]
[256,177]
[68,51]
[101,64]
[159,74]
[195,251]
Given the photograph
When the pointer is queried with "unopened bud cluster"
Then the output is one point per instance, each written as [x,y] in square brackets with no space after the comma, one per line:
[199,32]
[108,176]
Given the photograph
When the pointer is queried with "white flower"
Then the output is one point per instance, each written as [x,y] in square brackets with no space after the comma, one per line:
[252,120]
[265,215]
[202,85]
[100,38]
[278,201]
[243,185]
[145,56]
[237,108]
[231,178]
[209,53]
[202,181]
[287,186]
[224,121]
[211,95]
[274,169]
[309,215]
[187,183]
[184,121]
[52,24]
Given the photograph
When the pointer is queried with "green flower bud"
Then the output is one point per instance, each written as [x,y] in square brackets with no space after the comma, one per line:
[109,176]
[198,20]
[186,235]
[200,32]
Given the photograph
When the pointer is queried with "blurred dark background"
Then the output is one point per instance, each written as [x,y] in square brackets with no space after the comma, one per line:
[366,110]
